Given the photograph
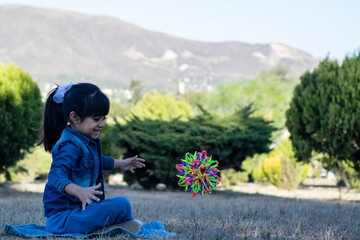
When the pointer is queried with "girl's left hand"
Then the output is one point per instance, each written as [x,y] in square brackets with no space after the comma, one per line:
[132,162]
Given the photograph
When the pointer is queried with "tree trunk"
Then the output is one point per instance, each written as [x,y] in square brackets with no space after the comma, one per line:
[343,175]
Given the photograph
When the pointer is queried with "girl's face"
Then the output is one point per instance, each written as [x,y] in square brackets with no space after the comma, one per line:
[90,126]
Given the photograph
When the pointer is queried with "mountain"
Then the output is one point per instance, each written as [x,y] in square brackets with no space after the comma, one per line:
[59,46]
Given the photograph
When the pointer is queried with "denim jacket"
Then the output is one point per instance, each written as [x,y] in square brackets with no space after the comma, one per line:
[76,159]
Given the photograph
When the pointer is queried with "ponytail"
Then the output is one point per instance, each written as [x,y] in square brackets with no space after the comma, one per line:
[54,122]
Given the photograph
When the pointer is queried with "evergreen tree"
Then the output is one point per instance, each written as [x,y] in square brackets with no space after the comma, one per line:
[20,114]
[136,90]
[325,111]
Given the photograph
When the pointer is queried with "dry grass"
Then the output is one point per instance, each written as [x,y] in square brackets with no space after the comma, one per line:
[222,215]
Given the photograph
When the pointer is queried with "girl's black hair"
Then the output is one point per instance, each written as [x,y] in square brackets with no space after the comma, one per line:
[85,99]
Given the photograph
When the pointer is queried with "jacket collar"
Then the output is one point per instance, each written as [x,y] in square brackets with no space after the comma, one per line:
[84,139]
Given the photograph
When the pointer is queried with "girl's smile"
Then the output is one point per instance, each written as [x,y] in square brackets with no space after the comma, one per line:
[90,126]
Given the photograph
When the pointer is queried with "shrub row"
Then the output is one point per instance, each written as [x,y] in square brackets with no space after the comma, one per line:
[163,143]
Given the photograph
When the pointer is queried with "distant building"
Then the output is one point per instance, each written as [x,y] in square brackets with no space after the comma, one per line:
[181,87]
[108,91]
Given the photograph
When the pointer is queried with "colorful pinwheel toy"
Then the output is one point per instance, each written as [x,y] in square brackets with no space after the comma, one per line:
[198,173]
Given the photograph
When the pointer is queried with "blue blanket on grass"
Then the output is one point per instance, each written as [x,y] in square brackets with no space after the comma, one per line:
[150,230]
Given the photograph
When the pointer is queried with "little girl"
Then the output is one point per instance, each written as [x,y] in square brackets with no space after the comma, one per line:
[74,198]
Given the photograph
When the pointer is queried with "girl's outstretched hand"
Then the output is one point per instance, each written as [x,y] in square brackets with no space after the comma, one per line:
[133,162]
[85,195]
[88,194]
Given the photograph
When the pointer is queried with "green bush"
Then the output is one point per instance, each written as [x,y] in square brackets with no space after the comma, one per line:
[20,114]
[272,169]
[163,143]
[231,177]
[281,169]
[253,167]
[161,107]
[352,175]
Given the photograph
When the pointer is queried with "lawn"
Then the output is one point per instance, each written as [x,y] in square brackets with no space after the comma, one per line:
[222,215]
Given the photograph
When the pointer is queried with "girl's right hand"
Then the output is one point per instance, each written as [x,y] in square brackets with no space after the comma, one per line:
[85,195]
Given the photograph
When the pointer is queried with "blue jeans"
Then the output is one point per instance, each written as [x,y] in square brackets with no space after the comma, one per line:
[96,215]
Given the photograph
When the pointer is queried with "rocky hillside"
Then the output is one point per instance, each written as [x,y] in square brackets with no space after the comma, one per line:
[58,46]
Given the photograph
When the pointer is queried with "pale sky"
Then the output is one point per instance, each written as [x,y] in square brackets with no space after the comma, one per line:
[319,27]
